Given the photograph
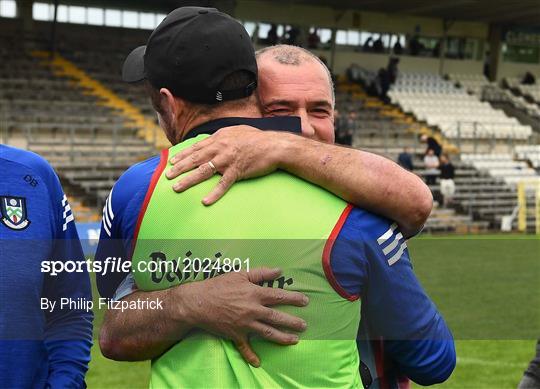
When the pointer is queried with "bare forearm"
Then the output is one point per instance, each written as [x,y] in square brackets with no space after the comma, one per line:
[364,179]
[232,306]
[140,334]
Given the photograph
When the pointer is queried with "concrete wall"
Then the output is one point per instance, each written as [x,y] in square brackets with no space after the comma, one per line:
[345,57]
[406,64]
[309,15]
[512,69]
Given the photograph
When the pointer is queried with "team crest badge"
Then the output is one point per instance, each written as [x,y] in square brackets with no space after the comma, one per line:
[14,214]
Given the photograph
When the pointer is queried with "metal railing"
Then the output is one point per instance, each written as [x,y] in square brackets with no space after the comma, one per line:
[485,136]
[386,139]
[81,152]
[72,135]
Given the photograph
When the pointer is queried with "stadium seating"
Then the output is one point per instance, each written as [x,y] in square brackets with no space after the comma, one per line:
[529,153]
[530,91]
[89,144]
[480,86]
[448,220]
[478,195]
[484,194]
[458,115]
[496,94]
[472,83]
[381,130]
[373,131]
[502,166]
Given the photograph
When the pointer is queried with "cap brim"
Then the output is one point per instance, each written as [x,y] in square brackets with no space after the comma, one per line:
[133,69]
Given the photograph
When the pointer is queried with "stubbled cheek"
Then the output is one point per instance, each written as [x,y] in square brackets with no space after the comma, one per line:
[324,132]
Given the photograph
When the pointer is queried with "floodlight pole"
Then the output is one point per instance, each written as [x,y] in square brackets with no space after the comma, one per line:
[338,14]
[442,49]
[53,29]
[332,49]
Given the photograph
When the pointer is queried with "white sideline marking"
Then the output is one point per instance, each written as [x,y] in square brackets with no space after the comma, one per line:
[476,361]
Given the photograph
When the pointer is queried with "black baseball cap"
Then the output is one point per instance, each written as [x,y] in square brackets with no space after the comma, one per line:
[191,52]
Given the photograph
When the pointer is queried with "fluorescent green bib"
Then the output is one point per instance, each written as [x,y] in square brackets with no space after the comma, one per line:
[273,221]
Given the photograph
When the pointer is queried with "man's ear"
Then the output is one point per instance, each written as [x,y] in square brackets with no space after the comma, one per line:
[175,106]
[168,102]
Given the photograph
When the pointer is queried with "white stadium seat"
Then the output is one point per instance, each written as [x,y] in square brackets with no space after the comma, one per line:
[458,114]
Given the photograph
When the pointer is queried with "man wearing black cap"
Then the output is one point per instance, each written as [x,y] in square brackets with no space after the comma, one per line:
[199,65]
[195,59]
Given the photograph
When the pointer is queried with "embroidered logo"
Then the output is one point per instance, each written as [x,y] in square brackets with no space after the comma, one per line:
[14,213]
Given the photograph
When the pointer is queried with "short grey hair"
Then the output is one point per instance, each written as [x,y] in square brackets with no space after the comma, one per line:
[296,56]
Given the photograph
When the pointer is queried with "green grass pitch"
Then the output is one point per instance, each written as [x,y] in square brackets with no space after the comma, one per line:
[485,286]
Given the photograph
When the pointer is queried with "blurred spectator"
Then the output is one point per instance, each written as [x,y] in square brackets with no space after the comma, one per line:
[353,73]
[461,48]
[272,38]
[431,161]
[432,144]
[383,81]
[313,39]
[291,36]
[531,378]
[448,187]
[352,118]
[392,69]
[398,49]
[343,130]
[437,49]
[368,45]
[378,46]
[344,137]
[405,159]
[486,64]
[340,121]
[415,47]
[528,79]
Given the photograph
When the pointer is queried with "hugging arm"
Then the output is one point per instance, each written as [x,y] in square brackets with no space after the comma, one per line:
[364,179]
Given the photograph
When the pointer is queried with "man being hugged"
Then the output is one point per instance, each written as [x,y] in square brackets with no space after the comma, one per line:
[321,243]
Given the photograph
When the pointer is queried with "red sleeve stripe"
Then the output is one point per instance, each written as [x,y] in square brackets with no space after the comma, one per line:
[327,256]
[378,348]
[153,182]
[404,383]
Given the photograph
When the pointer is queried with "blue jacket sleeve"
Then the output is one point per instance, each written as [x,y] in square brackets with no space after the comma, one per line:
[111,244]
[119,222]
[68,332]
[416,336]
[371,260]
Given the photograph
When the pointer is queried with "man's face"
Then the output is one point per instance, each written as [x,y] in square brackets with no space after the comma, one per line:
[304,91]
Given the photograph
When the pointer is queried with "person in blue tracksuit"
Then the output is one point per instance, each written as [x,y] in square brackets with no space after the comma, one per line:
[42,343]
